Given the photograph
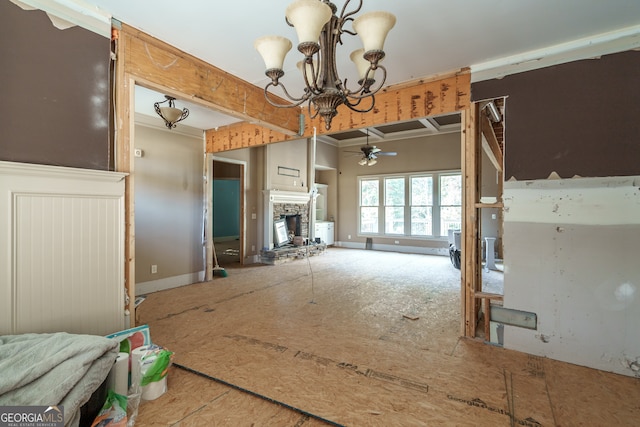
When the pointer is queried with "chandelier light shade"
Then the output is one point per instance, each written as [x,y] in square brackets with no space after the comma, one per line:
[373,28]
[319,29]
[169,113]
[308,17]
[273,50]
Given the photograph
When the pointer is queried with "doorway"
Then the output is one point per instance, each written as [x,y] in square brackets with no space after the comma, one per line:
[227,212]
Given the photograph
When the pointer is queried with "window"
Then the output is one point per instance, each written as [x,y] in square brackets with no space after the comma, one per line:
[421,205]
[450,203]
[412,205]
[394,205]
[369,201]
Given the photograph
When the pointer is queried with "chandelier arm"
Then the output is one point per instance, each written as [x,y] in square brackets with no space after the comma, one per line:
[312,115]
[364,92]
[296,101]
[353,33]
[344,15]
[352,106]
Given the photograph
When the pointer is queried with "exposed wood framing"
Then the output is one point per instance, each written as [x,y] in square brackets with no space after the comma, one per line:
[486,298]
[125,163]
[146,61]
[490,143]
[469,268]
[423,99]
[159,64]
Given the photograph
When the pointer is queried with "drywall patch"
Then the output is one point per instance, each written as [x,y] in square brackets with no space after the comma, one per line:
[584,201]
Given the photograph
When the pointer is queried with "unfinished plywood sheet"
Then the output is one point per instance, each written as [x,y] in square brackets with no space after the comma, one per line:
[352,337]
[211,405]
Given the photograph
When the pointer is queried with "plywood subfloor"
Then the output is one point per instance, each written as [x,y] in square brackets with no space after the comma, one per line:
[360,338]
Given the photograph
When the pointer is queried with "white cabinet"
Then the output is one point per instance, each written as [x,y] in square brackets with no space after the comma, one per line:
[324,230]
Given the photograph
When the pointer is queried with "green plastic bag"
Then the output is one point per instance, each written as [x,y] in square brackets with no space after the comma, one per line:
[113,412]
[158,368]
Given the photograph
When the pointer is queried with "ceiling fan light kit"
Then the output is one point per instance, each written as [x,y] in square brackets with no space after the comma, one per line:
[370,153]
[319,30]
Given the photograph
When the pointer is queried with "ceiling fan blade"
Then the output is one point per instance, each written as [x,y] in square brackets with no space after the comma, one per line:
[386,153]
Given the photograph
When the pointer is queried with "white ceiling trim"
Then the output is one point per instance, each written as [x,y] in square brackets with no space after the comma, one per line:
[76,12]
[157,123]
[585,48]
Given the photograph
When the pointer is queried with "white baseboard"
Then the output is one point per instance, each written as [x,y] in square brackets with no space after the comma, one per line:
[396,248]
[169,283]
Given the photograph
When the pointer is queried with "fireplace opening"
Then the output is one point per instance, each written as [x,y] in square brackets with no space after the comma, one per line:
[294,225]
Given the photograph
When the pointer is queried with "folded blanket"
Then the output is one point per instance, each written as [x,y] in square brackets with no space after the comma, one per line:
[54,369]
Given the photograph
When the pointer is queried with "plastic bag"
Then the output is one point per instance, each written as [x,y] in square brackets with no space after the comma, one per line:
[113,412]
[160,361]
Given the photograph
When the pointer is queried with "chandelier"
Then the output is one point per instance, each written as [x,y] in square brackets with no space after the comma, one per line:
[319,30]
[171,115]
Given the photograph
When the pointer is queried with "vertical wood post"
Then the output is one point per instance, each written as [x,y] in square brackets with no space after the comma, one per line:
[469,267]
[124,92]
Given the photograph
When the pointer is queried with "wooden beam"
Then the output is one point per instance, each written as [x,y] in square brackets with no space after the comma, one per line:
[150,60]
[490,143]
[422,99]
[125,163]
[243,135]
[469,266]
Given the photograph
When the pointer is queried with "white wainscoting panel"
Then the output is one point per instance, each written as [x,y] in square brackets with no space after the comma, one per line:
[62,249]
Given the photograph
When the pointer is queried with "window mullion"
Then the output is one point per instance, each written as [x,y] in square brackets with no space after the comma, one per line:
[381,206]
[436,205]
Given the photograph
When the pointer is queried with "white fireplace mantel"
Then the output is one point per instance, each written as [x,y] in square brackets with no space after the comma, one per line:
[280,196]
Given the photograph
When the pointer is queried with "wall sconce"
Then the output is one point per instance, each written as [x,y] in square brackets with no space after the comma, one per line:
[171,115]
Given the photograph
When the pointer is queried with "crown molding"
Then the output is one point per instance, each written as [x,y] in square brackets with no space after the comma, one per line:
[586,48]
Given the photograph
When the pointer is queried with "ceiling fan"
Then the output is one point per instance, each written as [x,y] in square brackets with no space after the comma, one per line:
[370,153]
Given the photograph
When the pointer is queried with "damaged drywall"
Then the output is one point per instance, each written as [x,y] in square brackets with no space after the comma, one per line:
[574,119]
[571,250]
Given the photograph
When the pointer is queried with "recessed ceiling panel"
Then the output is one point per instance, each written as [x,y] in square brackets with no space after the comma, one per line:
[348,135]
[450,119]
[400,127]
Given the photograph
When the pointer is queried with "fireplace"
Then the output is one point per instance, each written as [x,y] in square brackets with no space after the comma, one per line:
[281,207]
[283,204]
[294,225]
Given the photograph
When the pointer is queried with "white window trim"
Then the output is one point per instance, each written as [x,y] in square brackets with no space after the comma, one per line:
[407,226]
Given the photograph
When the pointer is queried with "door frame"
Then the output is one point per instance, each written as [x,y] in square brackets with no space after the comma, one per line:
[208,201]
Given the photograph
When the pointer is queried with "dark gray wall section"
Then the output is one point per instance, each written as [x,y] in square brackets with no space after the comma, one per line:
[54,92]
[580,118]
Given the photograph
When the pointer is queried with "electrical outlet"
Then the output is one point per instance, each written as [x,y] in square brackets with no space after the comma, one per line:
[254,216]
[253,248]
[397,242]
[154,269]
[349,237]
